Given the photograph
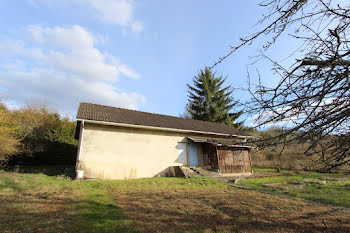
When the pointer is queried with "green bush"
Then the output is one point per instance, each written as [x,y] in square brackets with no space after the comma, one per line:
[45,138]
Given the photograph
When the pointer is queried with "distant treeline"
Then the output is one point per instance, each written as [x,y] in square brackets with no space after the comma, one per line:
[291,155]
[34,135]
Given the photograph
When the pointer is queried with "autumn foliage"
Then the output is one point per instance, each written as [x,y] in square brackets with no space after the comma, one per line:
[33,133]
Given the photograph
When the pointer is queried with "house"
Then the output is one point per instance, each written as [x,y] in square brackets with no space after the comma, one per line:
[117,143]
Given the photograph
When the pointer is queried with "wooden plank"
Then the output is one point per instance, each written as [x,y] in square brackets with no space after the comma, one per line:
[233,161]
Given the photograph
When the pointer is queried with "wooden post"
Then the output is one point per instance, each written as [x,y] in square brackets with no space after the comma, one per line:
[187,153]
[250,159]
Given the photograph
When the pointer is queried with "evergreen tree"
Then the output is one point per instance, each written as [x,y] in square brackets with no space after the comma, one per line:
[210,101]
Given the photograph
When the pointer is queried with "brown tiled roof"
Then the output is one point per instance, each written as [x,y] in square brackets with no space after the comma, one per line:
[88,111]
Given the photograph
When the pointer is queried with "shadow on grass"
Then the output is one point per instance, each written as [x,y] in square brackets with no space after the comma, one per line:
[52,154]
[49,170]
[56,159]
[8,183]
[97,217]
[60,212]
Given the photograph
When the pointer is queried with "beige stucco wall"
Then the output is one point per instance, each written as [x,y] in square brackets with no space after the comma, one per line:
[110,152]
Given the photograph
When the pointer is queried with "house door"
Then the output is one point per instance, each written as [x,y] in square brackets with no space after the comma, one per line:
[193,154]
[181,151]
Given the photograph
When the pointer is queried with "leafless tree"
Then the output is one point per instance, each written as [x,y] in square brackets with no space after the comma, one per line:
[312,96]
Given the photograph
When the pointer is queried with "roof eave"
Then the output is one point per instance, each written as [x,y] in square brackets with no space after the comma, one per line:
[219,144]
[159,128]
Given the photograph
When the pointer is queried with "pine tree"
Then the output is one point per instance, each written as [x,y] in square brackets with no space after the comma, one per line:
[210,101]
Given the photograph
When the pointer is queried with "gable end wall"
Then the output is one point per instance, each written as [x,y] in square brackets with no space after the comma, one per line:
[110,152]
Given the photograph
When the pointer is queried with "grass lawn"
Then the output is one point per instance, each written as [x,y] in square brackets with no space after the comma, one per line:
[336,191]
[42,203]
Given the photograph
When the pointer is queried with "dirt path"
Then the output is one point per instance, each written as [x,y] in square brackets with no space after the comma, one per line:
[227,210]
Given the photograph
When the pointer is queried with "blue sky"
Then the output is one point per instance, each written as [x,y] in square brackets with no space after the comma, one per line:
[132,54]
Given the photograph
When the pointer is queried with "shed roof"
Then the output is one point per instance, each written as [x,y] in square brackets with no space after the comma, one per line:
[229,142]
[95,112]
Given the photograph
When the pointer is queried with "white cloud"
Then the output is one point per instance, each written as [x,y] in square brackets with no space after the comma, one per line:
[115,12]
[62,66]
[290,116]
[128,72]
[118,12]
[10,47]
[74,37]
[136,26]
[258,119]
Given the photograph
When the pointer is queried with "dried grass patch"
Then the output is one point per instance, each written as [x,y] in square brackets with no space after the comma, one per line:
[226,210]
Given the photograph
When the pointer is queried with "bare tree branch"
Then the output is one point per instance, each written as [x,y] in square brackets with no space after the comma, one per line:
[312,97]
